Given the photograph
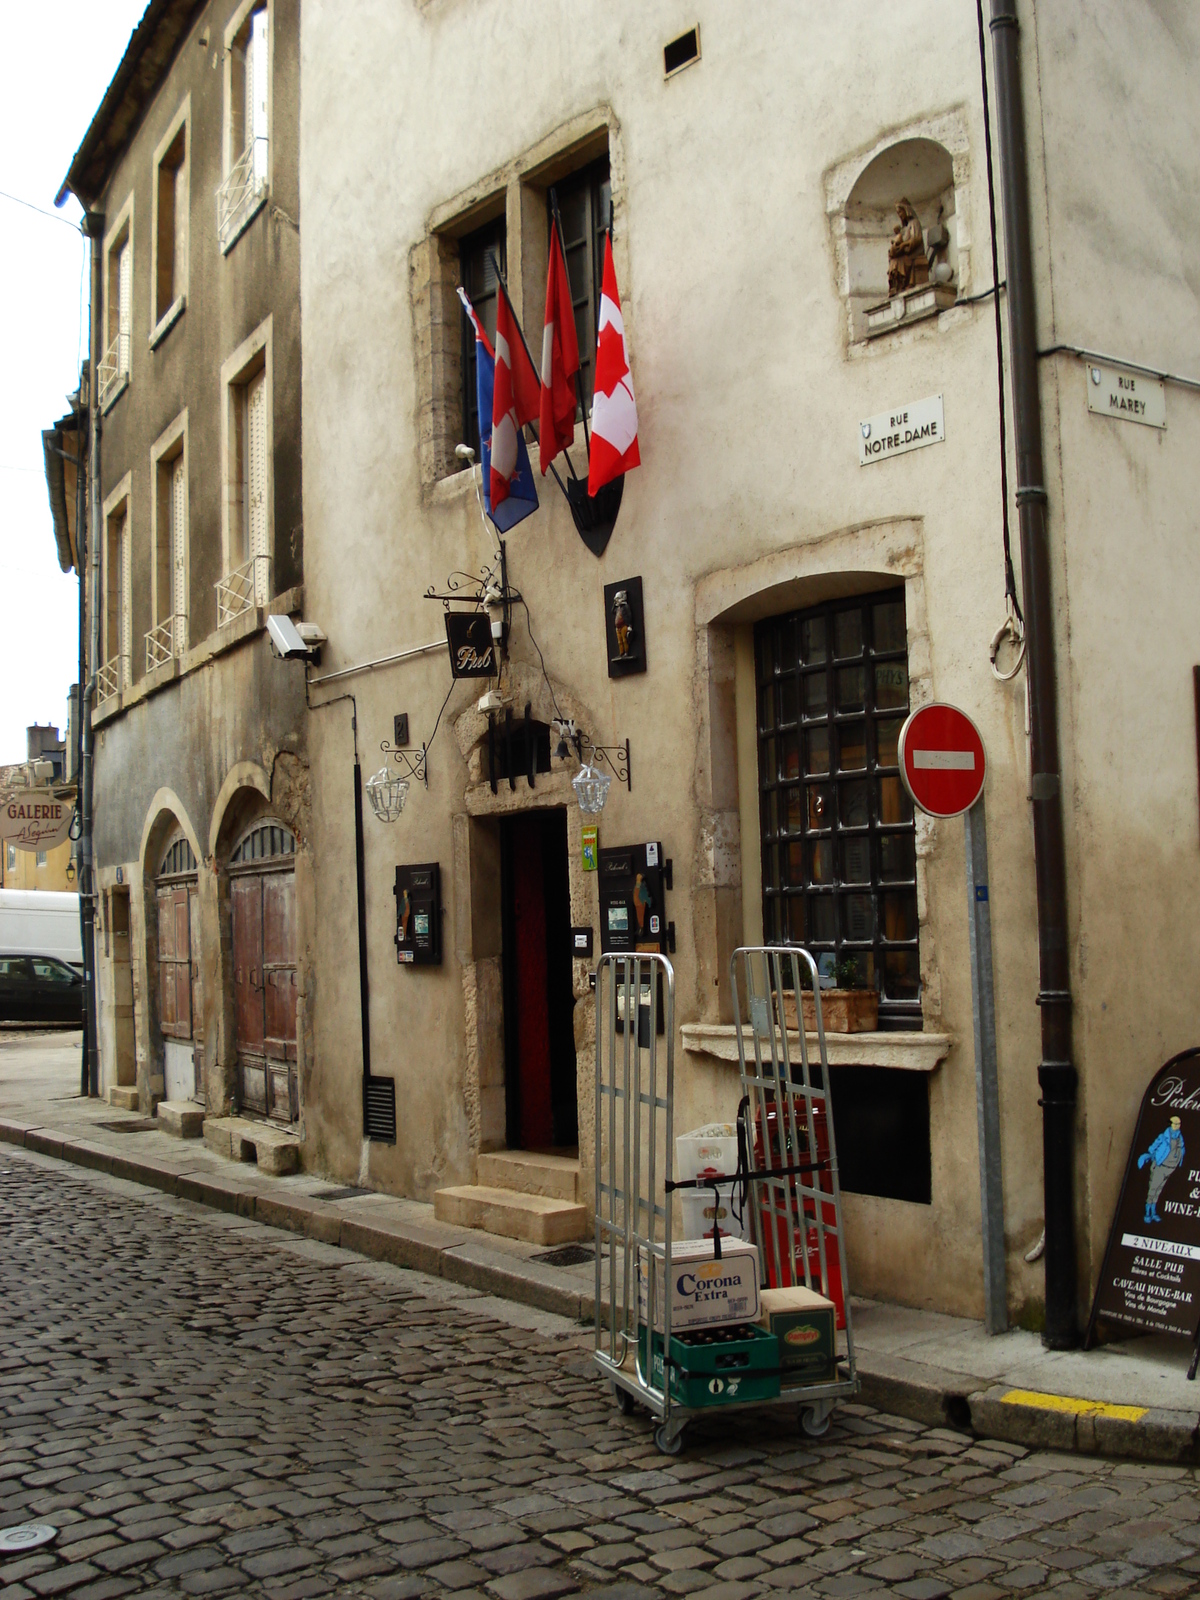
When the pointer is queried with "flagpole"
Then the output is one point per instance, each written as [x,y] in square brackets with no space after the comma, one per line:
[562,245]
[534,365]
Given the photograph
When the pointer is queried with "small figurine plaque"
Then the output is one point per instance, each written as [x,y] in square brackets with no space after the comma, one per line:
[590,842]
[625,627]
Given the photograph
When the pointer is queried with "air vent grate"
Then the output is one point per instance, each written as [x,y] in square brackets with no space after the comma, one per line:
[681,52]
[381,1109]
[566,1255]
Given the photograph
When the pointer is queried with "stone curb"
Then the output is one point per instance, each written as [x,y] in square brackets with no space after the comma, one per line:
[930,1395]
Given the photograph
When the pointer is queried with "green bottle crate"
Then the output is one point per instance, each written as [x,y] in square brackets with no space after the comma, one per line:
[717,1366]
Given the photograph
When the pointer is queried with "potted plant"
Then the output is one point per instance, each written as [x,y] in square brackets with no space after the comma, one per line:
[848,1007]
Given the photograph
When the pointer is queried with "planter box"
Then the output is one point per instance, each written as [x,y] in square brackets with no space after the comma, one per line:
[842,1010]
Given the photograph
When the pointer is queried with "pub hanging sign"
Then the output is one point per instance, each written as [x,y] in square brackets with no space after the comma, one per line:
[472,648]
[1151,1274]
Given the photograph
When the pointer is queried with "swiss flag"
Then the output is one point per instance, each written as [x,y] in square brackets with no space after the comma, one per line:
[614,410]
[515,397]
[560,360]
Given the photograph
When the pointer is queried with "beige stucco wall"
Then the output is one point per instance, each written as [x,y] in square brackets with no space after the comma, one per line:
[750,500]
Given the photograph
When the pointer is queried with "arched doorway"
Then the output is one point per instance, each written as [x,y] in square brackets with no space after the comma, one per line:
[179,1009]
[263,895]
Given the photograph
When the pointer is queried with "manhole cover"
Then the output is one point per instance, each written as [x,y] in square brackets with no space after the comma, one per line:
[131,1125]
[26,1536]
[566,1255]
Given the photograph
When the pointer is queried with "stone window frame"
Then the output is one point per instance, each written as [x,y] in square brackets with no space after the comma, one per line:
[255,354]
[164,319]
[517,191]
[120,234]
[234,28]
[950,129]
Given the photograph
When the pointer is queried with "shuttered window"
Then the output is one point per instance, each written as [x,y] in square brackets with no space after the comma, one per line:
[178,538]
[255,490]
[124,305]
[254,85]
[125,634]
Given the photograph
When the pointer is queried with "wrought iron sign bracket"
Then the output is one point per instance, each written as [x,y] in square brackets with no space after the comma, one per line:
[414,767]
[485,594]
[613,756]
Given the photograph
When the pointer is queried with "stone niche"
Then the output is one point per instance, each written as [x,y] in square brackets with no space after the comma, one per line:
[861,198]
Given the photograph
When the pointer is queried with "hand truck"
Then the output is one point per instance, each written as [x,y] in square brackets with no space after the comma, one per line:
[787,1169]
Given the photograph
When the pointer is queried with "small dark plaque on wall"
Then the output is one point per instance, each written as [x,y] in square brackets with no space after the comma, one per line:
[472,648]
[624,627]
[1151,1274]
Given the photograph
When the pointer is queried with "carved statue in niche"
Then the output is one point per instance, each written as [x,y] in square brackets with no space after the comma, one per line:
[908,265]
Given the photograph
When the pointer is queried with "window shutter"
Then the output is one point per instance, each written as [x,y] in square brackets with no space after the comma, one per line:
[178,547]
[256,480]
[124,305]
[256,93]
[125,627]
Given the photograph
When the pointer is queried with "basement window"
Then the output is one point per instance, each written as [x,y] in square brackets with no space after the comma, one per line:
[681,52]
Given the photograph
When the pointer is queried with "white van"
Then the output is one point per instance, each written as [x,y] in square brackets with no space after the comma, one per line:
[40,922]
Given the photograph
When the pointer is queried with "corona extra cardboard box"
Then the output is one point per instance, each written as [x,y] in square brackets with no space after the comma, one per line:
[802,1321]
[704,1293]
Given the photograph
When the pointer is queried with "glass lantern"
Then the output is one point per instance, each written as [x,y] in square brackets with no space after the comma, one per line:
[591,789]
[387,791]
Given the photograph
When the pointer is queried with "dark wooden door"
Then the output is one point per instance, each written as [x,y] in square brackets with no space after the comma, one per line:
[264,972]
[174,962]
[542,1107]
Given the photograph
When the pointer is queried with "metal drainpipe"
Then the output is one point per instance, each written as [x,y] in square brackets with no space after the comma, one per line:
[94,226]
[82,457]
[1056,1072]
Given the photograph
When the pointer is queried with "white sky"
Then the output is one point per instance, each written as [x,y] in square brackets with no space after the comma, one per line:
[54,68]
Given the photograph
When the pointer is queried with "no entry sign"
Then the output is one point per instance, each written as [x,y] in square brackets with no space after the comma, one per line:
[941,760]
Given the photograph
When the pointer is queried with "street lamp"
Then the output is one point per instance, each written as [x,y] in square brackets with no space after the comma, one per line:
[591,789]
[387,791]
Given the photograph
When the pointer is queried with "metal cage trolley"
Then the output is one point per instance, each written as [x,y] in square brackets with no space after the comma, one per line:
[787,1176]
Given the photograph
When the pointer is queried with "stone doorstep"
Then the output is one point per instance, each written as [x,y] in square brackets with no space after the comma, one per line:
[238,1139]
[535,1218]
[124,1096]
[531,1172]
[182,1118]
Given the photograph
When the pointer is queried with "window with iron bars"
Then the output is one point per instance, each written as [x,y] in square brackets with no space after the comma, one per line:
[838,838]
[585,206]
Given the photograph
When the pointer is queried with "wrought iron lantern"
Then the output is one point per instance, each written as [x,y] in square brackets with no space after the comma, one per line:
[387,791]
[591,788]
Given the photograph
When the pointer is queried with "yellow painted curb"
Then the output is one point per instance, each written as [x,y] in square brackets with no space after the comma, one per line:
[1066,1402]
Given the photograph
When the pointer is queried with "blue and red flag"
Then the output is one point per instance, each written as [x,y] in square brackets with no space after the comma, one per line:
[509,495]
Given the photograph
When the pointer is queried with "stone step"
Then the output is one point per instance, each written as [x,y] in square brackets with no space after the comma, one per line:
[183,1118]
[531,1172]
[238,1139]
[124,1095]
[535,1218]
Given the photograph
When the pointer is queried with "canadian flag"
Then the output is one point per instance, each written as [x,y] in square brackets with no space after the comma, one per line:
[614,410]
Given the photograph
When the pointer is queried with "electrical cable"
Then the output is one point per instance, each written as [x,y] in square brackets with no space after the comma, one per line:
[1014,623]
[542,659]
[41,211]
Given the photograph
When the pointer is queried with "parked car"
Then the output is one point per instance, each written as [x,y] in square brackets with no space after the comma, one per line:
[40,989]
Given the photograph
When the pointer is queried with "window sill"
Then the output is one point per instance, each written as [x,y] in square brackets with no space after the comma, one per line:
[907,1052]
[244,222]
[168,320]
[114,394]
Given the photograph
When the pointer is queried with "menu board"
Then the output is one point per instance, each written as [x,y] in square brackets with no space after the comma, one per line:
[1151,1274]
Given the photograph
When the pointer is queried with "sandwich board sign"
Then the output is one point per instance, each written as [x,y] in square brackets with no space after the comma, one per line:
[1151,1274]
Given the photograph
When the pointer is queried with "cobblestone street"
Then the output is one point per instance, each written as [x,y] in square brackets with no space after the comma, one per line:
[202,1405]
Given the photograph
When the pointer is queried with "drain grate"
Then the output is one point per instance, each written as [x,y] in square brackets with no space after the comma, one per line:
[348,1193]
[566,1255]
[131,1125]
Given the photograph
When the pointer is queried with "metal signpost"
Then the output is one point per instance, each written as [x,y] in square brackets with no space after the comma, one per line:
[943,766]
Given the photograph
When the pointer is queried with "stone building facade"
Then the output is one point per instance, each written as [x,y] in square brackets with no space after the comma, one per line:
[801,591]
[202,842]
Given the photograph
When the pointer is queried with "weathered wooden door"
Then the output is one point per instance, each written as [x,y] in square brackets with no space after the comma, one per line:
[264,968]
[179,1001]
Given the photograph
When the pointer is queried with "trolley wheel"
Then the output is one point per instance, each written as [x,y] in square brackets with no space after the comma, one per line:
[669,1439]
[626,1404]
[814,1419]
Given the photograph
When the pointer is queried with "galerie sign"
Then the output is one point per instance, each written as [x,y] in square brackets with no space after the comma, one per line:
[907,427]
[1151,1274]
[35,820]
